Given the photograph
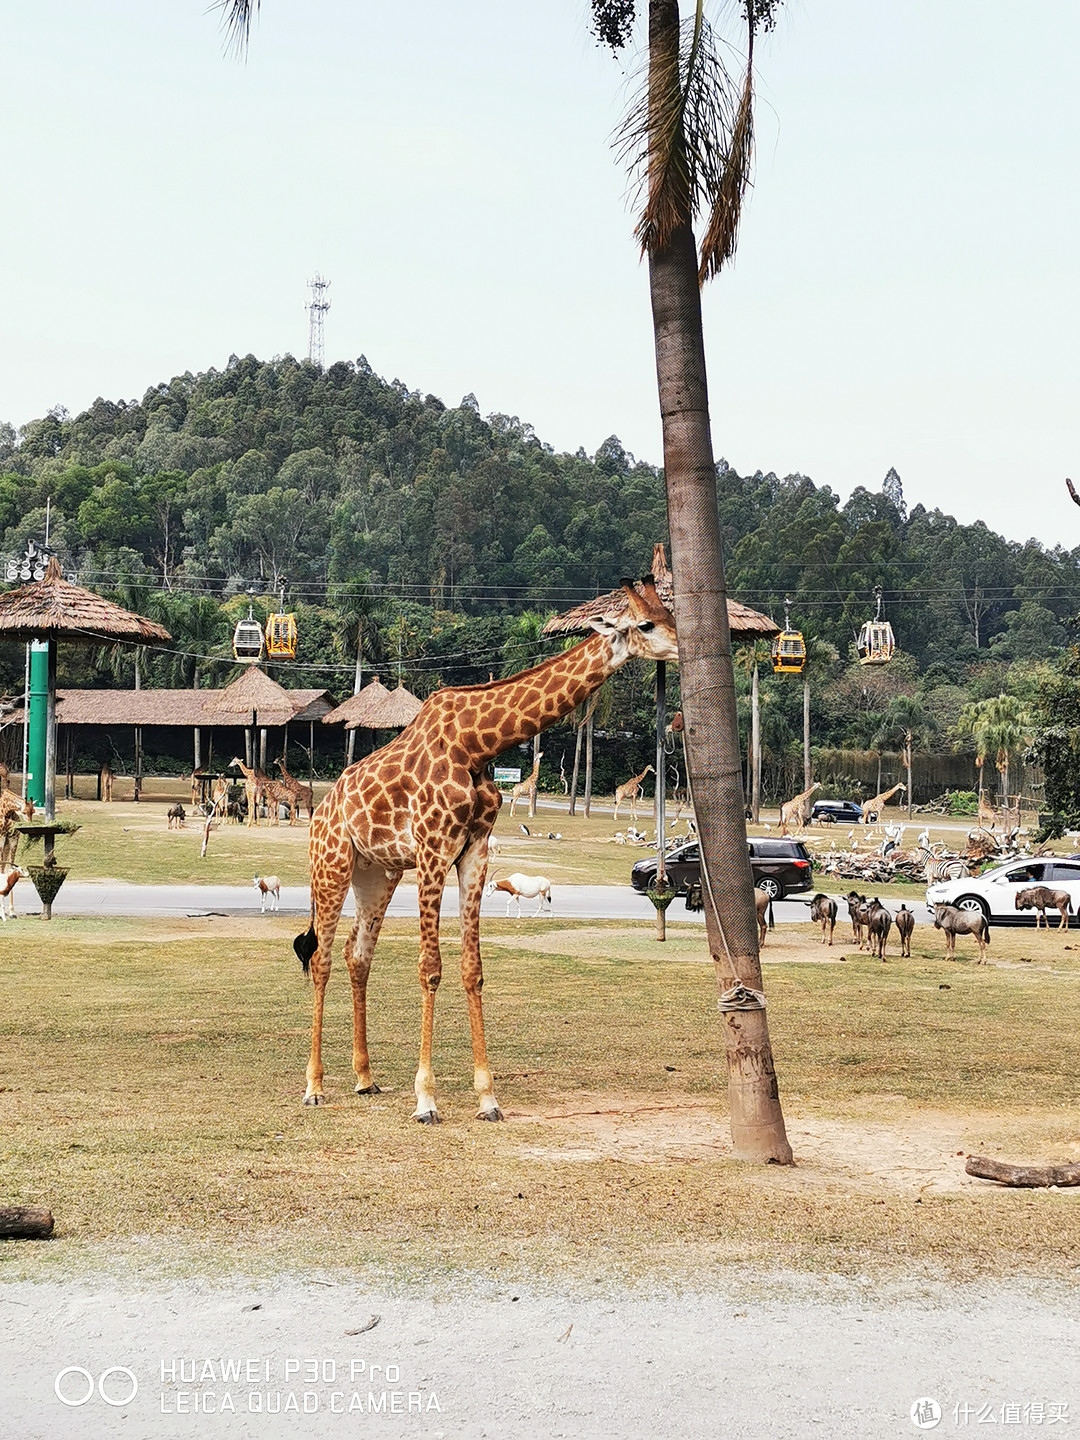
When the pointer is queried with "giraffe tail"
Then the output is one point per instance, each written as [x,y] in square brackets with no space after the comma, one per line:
[305,945]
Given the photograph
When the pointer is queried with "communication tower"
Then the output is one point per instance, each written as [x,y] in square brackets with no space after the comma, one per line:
[316,310]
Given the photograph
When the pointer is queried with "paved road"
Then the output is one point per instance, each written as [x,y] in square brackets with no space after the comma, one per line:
[571,902]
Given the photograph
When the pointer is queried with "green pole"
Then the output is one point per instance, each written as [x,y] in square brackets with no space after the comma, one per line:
[37,721]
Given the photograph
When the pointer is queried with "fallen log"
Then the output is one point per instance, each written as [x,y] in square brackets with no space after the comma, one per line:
[25,1222]
[1030,1176]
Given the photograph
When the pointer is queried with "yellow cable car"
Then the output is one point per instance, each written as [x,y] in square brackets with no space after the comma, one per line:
[281,637]
[876,641]
[247,642]
[789,648]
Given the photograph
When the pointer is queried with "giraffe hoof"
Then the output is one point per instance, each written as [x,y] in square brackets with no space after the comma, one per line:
[427,1117]
[494,1114]
[314,1099]
[368,1090]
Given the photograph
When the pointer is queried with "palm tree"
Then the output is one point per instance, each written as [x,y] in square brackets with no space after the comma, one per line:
[693,132]
[356,604]
[998,726]
[906,719]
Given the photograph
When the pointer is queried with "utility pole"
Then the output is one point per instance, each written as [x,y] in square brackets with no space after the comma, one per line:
[317,309]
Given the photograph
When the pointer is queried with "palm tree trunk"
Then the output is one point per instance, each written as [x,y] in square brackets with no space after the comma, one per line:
[705,661]
[357,682]
[808,778]
[755,748]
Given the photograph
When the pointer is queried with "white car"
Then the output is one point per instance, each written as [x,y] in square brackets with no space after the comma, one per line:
[994,892]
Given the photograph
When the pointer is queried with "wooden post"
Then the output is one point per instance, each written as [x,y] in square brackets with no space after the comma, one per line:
[536,753]
[138,761]
[808,778]
[262,748]
[311,753]
[755,747]
[588,762]
[50,735]
[661,789]
[577,763]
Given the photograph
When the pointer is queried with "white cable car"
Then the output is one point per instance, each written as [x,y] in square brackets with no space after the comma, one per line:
[247,641]
[876,641]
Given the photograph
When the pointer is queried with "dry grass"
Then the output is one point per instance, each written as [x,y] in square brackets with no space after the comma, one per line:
[152,1072]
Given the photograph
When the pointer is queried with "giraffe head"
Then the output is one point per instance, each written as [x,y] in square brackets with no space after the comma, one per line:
[645,629]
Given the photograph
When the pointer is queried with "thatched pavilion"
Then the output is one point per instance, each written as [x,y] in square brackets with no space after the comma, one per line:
[41,613]
[375,708]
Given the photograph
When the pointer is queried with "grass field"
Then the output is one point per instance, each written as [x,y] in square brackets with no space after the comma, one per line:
[125,841]
[151,1075]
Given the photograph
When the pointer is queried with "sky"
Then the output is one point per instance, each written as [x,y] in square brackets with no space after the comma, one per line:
[904,294]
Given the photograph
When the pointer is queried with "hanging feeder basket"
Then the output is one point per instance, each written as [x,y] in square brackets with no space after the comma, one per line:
[661,898]
[47,880]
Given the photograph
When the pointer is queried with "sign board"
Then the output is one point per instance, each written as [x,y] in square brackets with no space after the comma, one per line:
[507,775]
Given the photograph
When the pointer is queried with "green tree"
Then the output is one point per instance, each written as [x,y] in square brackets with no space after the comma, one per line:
[997,727]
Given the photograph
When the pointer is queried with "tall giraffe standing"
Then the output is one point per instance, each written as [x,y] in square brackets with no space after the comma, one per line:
[797,810]
[426,802]
[629,792]
[301,793]
[527,787]
[873,808]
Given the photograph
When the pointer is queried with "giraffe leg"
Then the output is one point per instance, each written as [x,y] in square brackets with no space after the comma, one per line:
[331,871]
[472,870]
[431,878]
[373,889]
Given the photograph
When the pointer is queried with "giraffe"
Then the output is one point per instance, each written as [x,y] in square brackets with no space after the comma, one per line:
[797,811]
[629,792]
[258,787]
[12,807]
[426,802]
[527,787]
[873,807]
[302,794]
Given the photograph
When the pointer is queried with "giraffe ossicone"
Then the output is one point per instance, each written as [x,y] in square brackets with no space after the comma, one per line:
[427,802]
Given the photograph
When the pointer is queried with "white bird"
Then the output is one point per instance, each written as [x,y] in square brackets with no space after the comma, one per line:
[924,839]
[767,825]
[525,829]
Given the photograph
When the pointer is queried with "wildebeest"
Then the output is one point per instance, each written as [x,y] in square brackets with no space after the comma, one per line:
[823,910]
[763,904]
[177,817]
[905,924]
[962,922]
[878,925]
[855,906]
[1042,898]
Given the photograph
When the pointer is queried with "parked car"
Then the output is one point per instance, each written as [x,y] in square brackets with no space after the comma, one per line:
[839,812]
[779,867]
[994,892]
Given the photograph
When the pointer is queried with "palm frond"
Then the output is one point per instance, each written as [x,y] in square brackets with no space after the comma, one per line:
[236,19]
[689,137]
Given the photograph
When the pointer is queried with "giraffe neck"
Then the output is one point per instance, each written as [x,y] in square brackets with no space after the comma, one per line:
[514,710]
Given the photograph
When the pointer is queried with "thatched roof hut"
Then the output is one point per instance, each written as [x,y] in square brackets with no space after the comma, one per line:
[54,609]
[254,692]
[376,708]
[744,622]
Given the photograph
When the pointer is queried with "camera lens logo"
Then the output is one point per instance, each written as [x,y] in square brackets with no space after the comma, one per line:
[74,1386]
[925,1413]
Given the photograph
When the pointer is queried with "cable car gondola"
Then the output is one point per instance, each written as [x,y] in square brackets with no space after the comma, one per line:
[789,648]
[247,641]
[281,637]
[876,641]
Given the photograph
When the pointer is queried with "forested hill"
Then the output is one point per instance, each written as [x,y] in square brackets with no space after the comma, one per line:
[278,474]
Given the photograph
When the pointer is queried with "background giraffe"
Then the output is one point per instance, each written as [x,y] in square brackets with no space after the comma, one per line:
[426,802]
[527,787]
[797,810]
[874,807]
[629,791]
[302,794]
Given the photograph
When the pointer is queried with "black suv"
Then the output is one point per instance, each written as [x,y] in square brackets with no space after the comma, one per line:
[779,867]
[842,812]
